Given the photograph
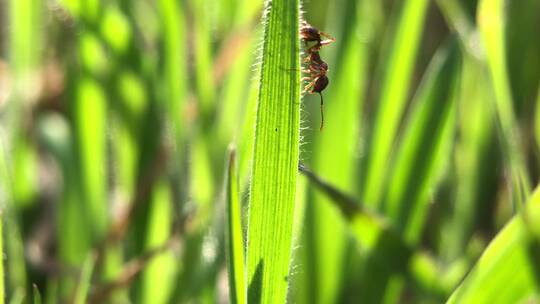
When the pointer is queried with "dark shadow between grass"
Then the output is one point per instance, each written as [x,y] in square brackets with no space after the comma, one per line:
[255,286]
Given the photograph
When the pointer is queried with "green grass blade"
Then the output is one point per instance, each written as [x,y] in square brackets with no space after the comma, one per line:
[235,237]
[158,275]
[90,115]
[393,97]
[203,57]
[174,54]
[491,24]
[507,272]
[522,21]
[297,271]
[5,199]
[51,294]
[17,297]
[537,120]
[37,295]
[85,279]
[22,41]
[2,286]
[16,270]
[276,152]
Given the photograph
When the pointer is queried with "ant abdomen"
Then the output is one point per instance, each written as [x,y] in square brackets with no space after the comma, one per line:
[320,84]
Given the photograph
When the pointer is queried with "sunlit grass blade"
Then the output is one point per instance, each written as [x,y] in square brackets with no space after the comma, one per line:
[537,120]
[5,194]
[203,58]
[17,297]
[90,115]
[16,271]
[507,272]
[37,295]
[491,24]
[22,40]
[2,286]
[297,272]
[158,276]
[275,158]
[234,235]
[84,212]
[174,55]
[398,68]
[85,279]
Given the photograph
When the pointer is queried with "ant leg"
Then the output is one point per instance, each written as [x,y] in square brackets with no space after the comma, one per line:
[330,38]
[307,88]
[322,113]
[326,42]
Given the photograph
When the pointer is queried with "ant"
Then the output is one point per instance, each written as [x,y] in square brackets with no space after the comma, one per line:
[317,68]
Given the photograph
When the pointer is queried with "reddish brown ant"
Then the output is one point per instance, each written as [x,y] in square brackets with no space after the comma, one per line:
[317,68]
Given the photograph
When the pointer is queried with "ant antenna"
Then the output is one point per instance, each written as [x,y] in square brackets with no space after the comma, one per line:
[322,112]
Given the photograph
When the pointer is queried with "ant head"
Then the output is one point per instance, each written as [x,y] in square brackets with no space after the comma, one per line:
[309,33]
[320,84]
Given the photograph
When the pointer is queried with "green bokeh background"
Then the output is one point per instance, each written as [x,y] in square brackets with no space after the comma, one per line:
[115,118]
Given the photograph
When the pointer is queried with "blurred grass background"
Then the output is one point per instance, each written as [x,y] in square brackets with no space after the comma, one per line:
[115,117]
